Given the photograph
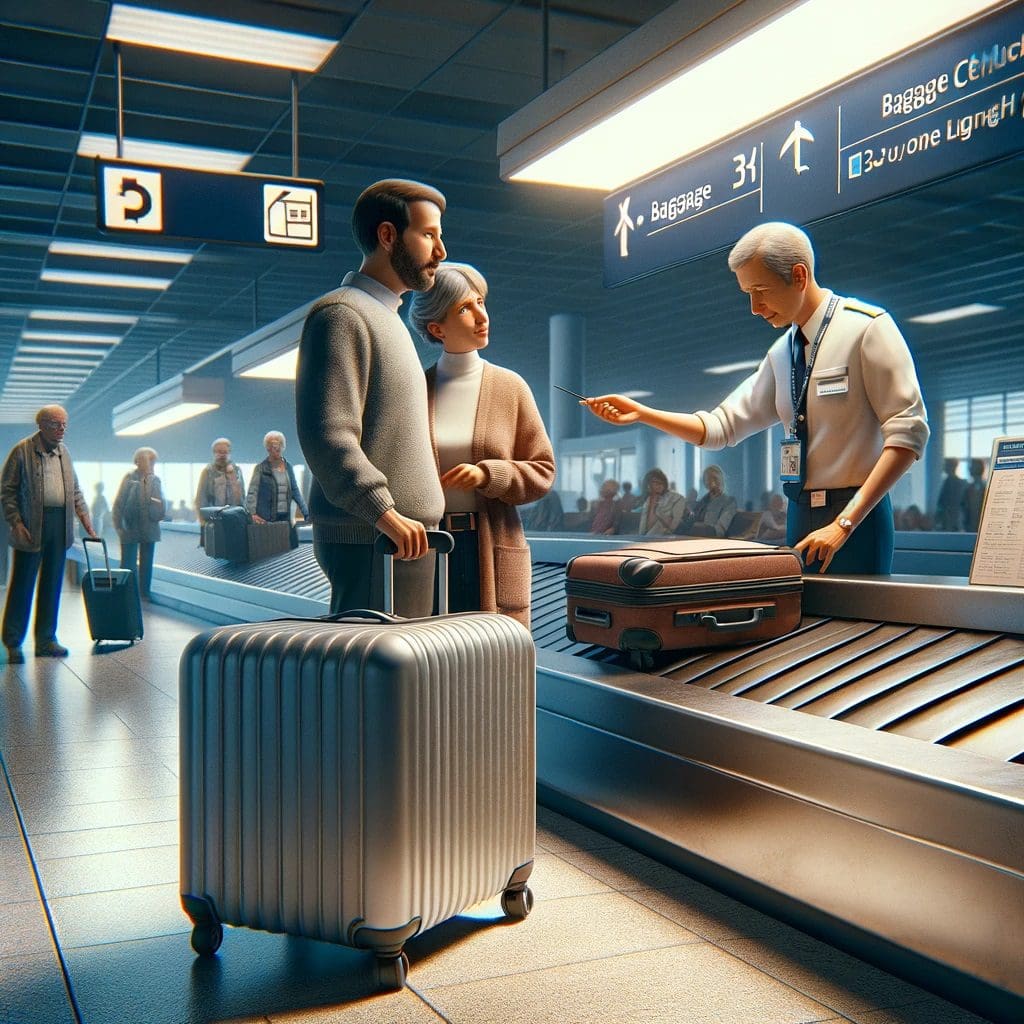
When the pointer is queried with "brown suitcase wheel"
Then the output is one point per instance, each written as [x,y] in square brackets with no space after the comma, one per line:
[207,937]
[392,971]
[517,903]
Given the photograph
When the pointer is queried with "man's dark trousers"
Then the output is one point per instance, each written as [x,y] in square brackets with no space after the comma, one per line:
[356,574]
[48,565]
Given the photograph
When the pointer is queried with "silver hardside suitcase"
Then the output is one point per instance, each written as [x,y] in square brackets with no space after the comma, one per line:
[356,781]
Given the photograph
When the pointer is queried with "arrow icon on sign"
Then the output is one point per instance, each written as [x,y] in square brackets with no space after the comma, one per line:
[145,199]
[793,139]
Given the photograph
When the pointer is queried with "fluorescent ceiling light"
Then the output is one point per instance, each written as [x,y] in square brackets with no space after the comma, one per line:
[281,367]
[62,350]
[745,364]
[75,337]
[92,279]
[165,154]
[172,401]
[956,313]
[120,252]
[211,37]
[271,352]
[80,317]
[822,42]
[65,365]
[637,394]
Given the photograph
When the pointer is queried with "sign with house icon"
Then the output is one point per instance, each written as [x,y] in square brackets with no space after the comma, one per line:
[290,215]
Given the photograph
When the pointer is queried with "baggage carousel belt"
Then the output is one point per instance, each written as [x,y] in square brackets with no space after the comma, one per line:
[961,688]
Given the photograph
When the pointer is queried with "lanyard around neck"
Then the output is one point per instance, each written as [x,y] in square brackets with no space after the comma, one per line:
[798,399]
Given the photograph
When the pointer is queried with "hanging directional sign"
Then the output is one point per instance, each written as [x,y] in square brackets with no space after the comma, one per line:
[948,106]
[176,202]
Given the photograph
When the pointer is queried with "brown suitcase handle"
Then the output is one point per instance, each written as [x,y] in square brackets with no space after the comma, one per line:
[709,620]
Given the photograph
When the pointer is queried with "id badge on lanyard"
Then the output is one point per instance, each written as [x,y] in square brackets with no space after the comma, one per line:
[791,453]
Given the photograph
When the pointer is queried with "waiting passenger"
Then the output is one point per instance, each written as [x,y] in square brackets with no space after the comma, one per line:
[974,496]
[220,483]
[773,520]
[662,508]
[949,508]
[607,514]
[272,487]
[138,510]
[713,512]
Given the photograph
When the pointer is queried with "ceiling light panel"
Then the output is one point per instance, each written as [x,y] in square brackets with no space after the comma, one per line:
[97,280]
[62,350]
[73,337]
[103,251]
[164,154]
[835,40]
[77,316]
[955,313]
[211,37]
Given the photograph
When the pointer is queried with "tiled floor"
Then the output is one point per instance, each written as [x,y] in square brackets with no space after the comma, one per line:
[92,930]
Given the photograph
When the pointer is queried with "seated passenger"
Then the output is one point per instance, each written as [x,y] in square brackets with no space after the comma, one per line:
[713,512]
[773,520]
[607,512]
[662,508]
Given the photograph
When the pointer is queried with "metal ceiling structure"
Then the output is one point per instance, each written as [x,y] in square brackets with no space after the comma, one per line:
[418,90]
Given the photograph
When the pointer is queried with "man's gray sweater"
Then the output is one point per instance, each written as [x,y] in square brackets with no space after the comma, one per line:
[361,410]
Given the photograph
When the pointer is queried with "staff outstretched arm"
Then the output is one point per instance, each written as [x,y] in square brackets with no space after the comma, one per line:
[622,411]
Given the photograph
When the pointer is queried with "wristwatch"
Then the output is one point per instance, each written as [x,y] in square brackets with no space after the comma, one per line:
[844,524]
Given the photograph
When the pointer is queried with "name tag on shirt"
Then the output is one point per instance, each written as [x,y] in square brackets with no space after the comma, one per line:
[832,386]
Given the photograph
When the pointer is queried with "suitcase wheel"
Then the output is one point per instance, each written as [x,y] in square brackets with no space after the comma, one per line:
[207,937]
[517,903]
[392,971]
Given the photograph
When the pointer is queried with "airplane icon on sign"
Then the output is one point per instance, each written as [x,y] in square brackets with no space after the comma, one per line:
[798,135]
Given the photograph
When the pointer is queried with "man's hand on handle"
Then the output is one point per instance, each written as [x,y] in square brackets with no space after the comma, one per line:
[409,535]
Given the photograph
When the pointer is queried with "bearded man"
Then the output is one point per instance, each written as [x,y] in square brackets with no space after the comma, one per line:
[361,406]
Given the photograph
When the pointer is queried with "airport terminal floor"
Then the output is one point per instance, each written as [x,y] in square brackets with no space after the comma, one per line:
[93,931]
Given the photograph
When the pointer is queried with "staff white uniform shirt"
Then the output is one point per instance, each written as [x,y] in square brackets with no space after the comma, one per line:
[456,397]
[862,396]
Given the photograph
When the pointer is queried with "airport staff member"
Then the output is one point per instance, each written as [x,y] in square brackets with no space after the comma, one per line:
[40,496]
[840,379]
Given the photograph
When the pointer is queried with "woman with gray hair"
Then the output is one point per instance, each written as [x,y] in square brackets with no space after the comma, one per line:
[490,444]
[272,487]
[137,512]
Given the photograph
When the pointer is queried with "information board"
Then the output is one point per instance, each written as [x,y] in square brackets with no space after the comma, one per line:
[945,107]
[999,550]
[210,206]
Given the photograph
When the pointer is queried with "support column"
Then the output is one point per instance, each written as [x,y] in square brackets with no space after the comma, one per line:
[566,342]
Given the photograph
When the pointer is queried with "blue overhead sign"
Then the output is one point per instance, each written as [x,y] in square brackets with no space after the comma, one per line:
[948,106]
[175,202]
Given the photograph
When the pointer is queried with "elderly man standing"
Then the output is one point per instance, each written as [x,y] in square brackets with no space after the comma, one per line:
[361,406]
[40,497]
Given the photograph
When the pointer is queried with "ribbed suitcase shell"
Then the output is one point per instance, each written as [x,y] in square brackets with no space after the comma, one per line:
[343,781]
[674,594]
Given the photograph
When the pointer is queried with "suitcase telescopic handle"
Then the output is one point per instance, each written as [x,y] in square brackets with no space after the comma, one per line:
[106,558]
[441,541]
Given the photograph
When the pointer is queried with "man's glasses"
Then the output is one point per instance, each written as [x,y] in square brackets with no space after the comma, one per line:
[55,424]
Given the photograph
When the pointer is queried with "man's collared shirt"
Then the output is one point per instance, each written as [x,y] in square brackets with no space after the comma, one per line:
[370,285]
[53,476]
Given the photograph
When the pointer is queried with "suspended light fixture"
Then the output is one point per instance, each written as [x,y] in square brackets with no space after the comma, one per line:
[271,353]
[176,399]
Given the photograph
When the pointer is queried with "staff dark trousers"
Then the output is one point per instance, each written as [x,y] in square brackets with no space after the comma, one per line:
[139,558]
[869,548]
[356,574]
[46,565]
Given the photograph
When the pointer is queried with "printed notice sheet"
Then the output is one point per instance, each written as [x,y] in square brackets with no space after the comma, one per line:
[999,550]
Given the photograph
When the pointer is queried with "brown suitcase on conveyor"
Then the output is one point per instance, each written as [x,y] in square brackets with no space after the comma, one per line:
[675,594]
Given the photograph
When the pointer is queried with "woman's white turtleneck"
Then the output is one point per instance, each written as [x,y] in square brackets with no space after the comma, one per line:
[455,400]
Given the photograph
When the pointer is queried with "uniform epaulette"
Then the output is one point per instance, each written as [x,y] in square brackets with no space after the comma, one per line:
[863,307]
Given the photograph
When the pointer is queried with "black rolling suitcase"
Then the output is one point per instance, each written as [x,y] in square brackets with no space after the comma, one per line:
[112,603]
[226,533]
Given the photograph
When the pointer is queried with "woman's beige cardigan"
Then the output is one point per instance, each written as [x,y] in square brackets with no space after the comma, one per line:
[512,446]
